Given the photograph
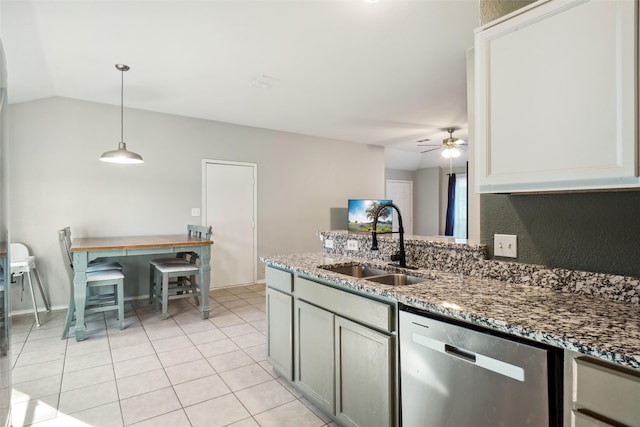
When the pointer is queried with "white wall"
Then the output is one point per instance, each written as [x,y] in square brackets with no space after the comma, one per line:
[56,181]
[426,190]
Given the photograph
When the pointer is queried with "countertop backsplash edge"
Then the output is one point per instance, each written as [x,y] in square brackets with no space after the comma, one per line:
[459,257]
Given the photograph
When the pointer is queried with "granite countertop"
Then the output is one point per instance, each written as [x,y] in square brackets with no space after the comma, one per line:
[596,327]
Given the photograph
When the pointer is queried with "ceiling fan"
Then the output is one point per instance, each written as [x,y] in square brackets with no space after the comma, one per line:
[450,145]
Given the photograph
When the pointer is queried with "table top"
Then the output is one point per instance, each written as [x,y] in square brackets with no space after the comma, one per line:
[83,244]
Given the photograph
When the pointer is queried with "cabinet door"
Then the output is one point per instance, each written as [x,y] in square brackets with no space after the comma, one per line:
[556,89]
[280,332]
[364,375]
[314,367]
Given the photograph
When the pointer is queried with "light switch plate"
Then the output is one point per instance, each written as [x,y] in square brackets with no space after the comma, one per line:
[352,245]
[505,245]
[195,211]
[328,243]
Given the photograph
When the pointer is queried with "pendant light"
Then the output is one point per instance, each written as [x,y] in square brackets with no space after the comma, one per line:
[121,155]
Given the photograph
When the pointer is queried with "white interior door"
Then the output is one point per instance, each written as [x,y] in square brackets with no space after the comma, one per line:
[229,203]
[401,193]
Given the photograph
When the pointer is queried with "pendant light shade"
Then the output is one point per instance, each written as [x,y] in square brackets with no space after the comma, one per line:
[121,155]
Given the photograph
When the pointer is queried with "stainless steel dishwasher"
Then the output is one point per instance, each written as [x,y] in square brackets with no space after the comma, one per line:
[454,374]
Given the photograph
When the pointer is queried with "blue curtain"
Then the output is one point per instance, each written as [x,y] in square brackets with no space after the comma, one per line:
[451,203]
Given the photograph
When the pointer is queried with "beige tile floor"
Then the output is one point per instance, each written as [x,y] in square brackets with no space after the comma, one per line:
[183,371]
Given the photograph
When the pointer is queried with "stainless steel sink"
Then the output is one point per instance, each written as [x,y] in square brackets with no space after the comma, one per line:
[397,279]
[375,274]
[360,271]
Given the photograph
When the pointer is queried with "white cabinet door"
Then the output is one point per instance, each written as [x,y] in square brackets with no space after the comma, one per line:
[556,92]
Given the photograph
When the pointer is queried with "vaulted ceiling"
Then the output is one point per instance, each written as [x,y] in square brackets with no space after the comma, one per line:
[385,73]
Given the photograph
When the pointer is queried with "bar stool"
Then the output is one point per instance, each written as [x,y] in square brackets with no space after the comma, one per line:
[175,278]
[98,300]
[23,263]
[65,236]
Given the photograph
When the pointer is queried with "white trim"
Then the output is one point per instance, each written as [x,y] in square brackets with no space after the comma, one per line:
[254,166]
[409,230]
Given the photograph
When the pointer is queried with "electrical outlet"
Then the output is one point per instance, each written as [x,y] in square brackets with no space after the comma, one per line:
[195,211]
[328,244]
[505,245]
[352,245]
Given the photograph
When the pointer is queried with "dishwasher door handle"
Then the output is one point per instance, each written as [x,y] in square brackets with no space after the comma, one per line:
[460,353]
[479,360]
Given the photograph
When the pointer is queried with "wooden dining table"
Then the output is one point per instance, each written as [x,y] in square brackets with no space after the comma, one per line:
[87,249]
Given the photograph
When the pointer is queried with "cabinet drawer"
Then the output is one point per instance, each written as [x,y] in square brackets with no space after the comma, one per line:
[609,391]
[361,309]
[279,279]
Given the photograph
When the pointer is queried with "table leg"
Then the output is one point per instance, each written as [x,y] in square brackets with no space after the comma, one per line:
[205,278]
[80,292]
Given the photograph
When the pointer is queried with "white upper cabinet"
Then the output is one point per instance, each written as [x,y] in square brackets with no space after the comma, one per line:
[556,98]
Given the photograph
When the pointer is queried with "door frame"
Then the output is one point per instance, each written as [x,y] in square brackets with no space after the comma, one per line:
[254,167]
[405,181]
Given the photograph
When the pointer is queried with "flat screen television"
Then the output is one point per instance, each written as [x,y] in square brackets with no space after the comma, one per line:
[360,217]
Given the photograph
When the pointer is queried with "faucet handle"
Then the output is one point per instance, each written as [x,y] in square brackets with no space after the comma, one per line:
[395,257]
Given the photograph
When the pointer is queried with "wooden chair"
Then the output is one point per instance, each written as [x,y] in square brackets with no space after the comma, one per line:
[99,279]
[24,263]
[175,278]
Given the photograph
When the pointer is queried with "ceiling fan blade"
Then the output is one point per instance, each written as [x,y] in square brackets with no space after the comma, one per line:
[432,149]
[423,140]
[429,145]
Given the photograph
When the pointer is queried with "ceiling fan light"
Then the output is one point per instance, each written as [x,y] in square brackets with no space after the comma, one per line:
[446,153]
[455,153]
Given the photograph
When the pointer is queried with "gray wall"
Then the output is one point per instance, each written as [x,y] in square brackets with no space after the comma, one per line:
[494,9]
[56,180]
[399,174]
[598,231]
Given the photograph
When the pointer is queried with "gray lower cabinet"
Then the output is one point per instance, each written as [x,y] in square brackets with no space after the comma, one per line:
[279,332]
[343,366]
[363,375]
[279,314]
[599,393]
[315,372]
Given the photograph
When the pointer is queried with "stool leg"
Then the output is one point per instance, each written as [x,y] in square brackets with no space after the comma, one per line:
[165,295]
[156,290]
[33,298]
[152,272]
[194,286]
[39,282]
[120,297]
[70,313]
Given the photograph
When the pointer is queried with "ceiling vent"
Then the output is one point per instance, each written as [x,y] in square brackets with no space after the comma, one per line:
[264,82]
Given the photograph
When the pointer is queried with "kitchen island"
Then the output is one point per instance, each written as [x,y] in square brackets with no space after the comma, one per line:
[589,330]
[596,327]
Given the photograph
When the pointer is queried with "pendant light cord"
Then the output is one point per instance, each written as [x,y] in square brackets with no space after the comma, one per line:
[122,105]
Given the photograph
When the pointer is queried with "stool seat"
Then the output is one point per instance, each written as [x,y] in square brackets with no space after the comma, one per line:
[98,266]
[177,268]
[104,275]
